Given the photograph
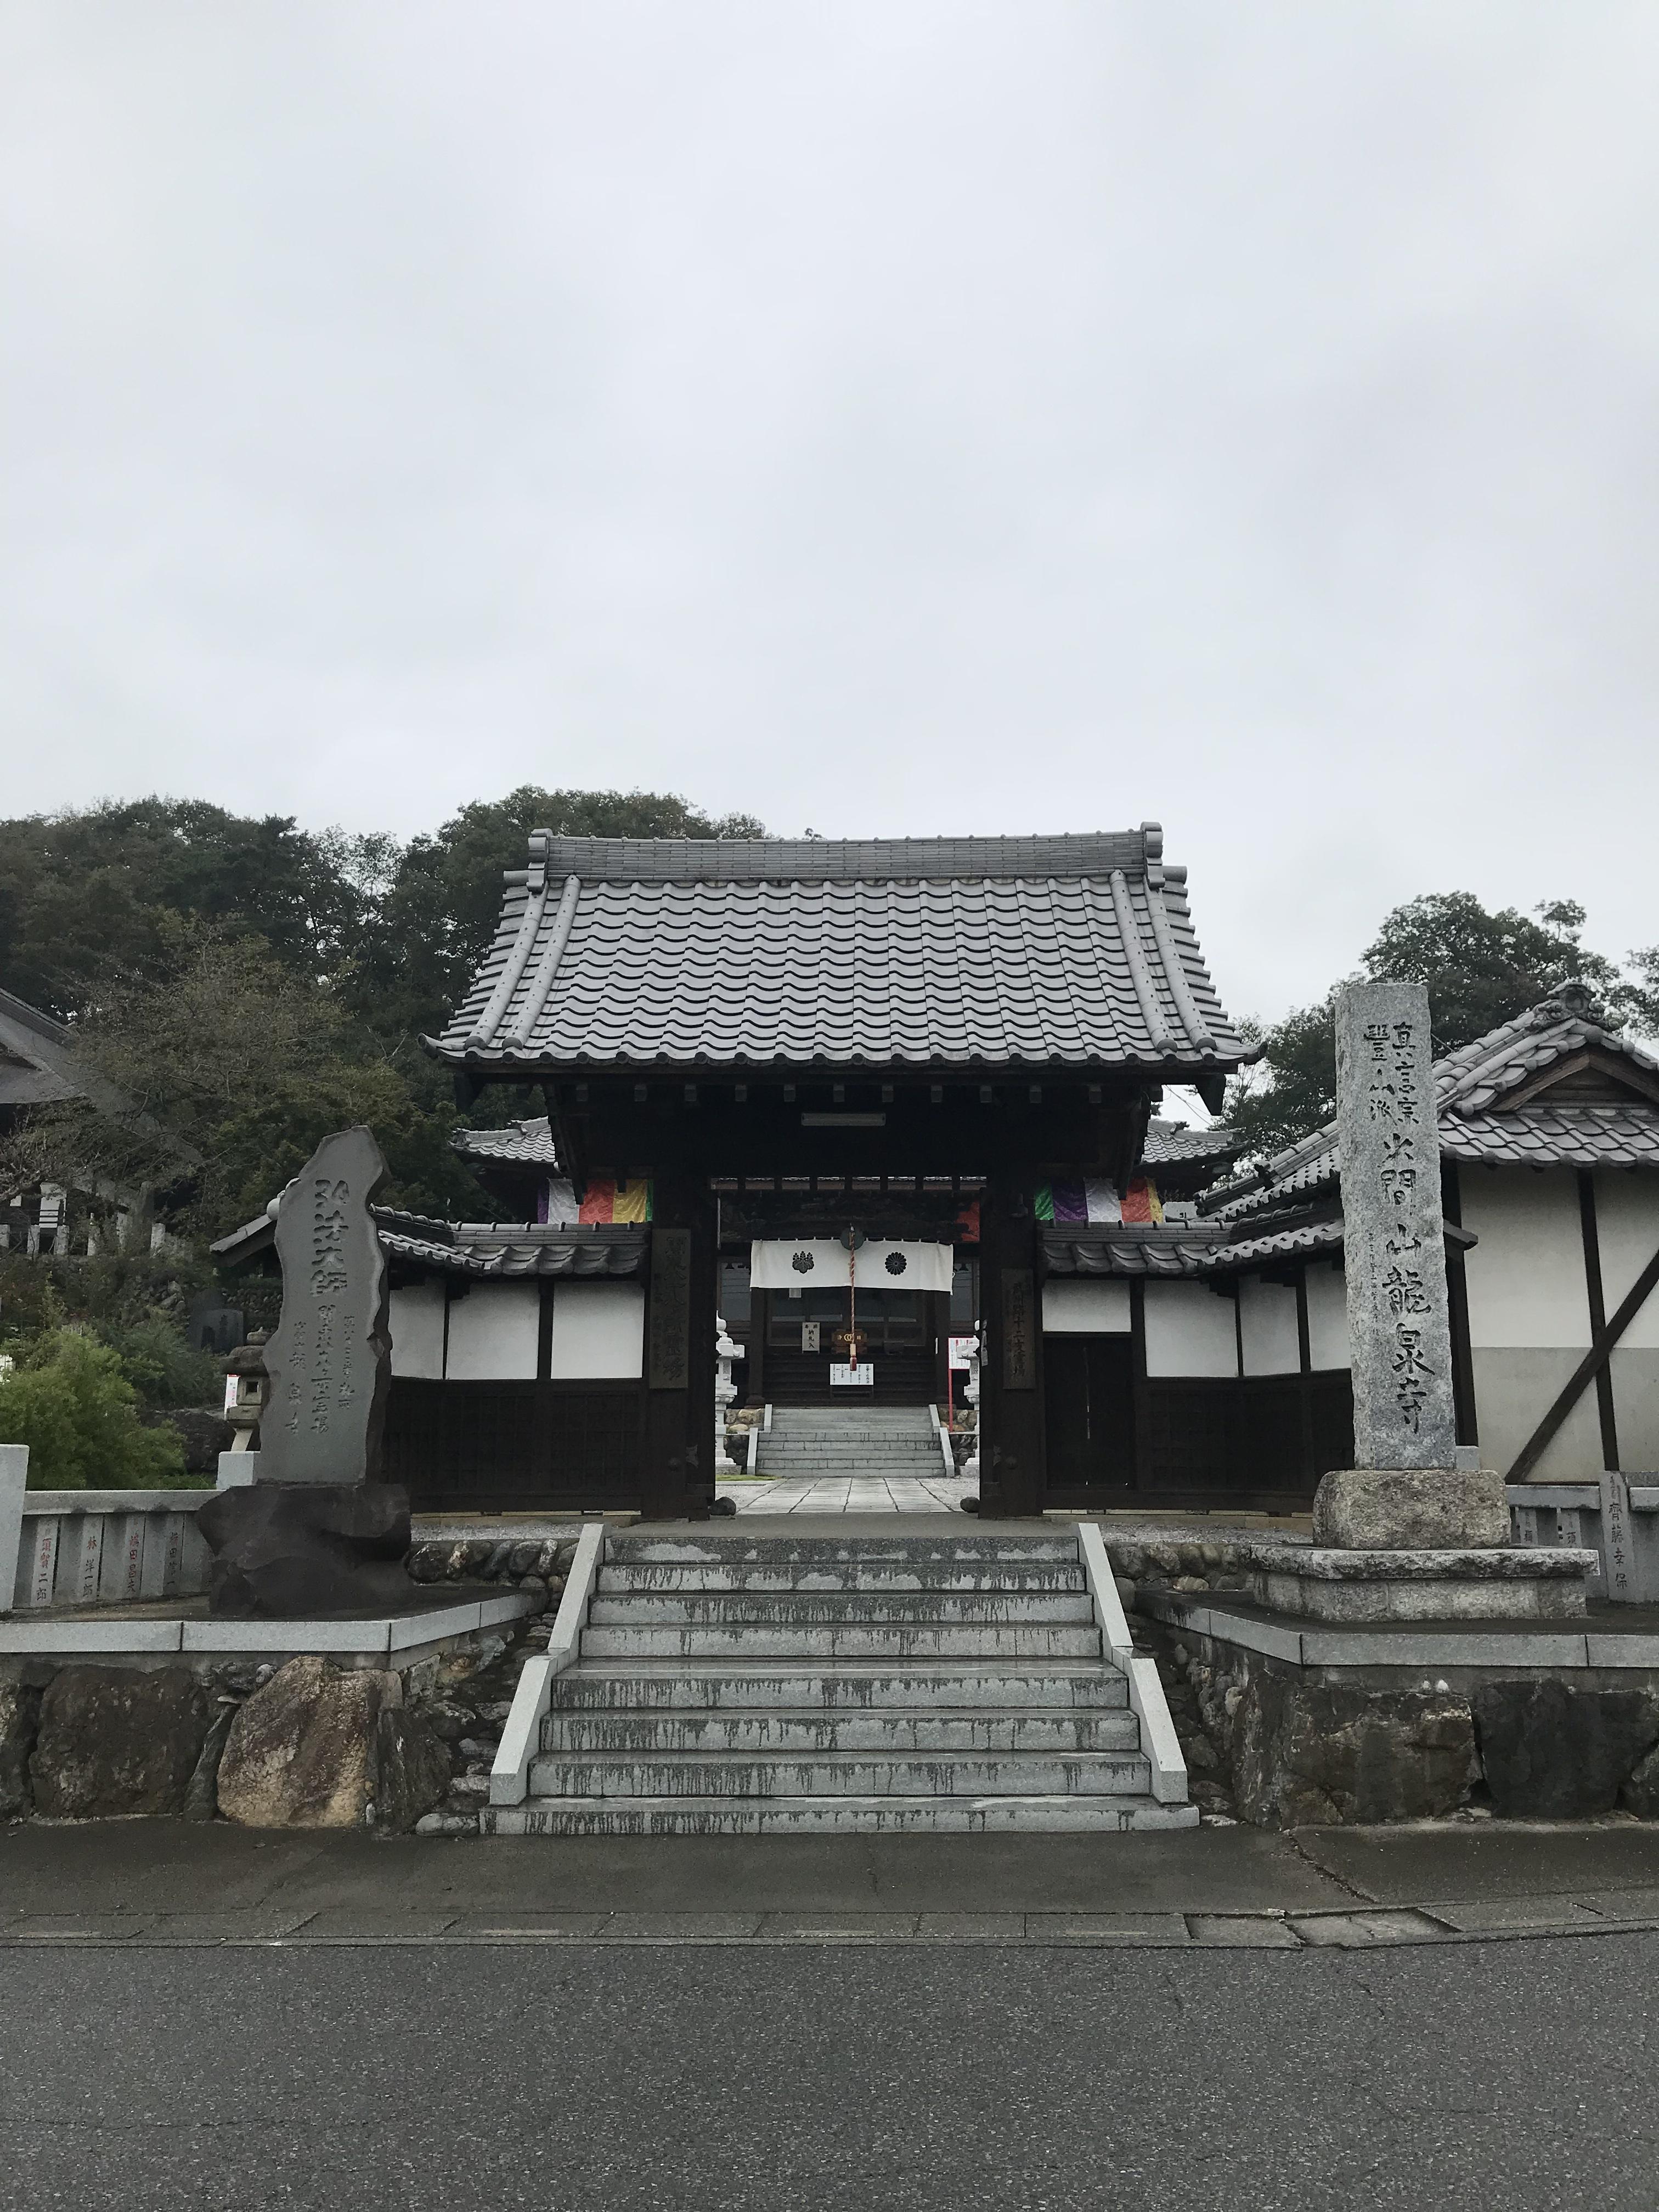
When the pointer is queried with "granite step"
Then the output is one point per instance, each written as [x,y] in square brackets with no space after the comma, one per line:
[849,1640]
[838,1774]
[833,1816]
[806,1608]
[659,1686]
[972,1546]
[1025,1577]
[794,1732]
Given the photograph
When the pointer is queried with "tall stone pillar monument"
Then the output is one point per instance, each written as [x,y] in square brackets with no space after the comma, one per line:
[1405,1491]
[316,1533]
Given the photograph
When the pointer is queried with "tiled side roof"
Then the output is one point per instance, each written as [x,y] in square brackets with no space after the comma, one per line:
[1296,1172]
[740,954]
[526,1144]
[475,1248]
[37,1064]
[1581,1135]
[1186,1255]
[1470,1078]
[1171,1144]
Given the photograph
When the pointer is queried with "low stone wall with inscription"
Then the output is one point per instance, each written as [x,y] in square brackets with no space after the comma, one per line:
[108,1548]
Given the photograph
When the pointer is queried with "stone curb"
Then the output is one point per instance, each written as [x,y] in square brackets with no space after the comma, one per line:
[1358,1928]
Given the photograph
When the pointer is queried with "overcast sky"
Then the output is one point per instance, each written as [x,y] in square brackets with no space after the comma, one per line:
[889,418]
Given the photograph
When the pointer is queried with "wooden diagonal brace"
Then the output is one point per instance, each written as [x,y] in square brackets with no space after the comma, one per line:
[1585,1373]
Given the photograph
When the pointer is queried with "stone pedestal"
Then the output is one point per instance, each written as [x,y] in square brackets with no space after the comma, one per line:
[1374,1508]
[308,1551]
[1311,1581]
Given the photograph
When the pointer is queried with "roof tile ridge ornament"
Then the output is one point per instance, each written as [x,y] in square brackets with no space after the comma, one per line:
[1128,926]
[1197,1028]
[482,1036]
[547,967]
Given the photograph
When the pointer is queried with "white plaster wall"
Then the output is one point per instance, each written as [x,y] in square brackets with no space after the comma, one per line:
[598,1331]
[1266,1319]
[1513,1391]
[1327,1317]
[1636,1409]
[1190,1330]
[417,1331]
[1526,1275]
[1087,1306]
[494,1332]
[1628,1232]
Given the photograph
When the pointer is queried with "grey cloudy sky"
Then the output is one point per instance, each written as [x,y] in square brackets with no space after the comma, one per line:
[885,417]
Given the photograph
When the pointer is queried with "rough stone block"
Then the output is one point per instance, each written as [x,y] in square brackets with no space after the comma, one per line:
[1553,1752]
[306,1550]
[319,1747]
[1317,1755]
[20,1718]
[115,1741]
[1410,1509]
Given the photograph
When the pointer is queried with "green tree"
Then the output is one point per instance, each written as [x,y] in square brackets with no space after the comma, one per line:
[1480,968]
[87,895]
[69,1403]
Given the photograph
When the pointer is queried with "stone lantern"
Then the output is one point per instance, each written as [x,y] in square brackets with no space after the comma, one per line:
[246,1386]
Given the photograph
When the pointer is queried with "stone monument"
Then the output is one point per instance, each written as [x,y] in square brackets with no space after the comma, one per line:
[1405,1490]
[316,1533]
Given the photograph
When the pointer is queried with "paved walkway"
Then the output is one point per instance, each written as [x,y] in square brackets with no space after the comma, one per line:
[870,1493]
[143,1883]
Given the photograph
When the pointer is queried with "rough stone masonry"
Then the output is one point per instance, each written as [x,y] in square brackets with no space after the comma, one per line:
[1405,1489]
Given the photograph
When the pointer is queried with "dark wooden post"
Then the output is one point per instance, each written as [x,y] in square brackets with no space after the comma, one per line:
[679,1471]
[1012,1453]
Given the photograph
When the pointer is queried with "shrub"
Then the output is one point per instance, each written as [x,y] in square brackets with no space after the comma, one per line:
[162,1367]
[69,1401]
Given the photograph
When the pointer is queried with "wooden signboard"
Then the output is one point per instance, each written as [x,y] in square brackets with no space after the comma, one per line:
[1018,1329]
[669,1365]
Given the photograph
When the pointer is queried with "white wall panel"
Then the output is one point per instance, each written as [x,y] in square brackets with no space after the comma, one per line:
[1266,1319]
[494,1332]
[417,1331]
[598,1331]
[1636,1409]
[1327,1317]
[1089,1305]
[1513,1391]
[1526,1275]
[1627,1230]
[1190,1330]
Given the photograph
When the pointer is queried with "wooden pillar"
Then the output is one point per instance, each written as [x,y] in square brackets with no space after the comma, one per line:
[1138,1382]
[1457,1310]
[936,1324]
[760,1323]
[1598,1317]
[1304,1384]
[678,1470]
[1012,1452]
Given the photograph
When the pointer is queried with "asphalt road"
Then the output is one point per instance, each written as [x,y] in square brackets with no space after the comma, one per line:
[1504,2074]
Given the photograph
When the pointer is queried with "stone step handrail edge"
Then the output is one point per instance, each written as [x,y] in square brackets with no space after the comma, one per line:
[1158,1740]
[509,1777]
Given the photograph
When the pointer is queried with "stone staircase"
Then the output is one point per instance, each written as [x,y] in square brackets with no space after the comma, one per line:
[814,1444]
[822,1685]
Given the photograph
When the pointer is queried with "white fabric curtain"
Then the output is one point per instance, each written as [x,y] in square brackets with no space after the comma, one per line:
[816,1263]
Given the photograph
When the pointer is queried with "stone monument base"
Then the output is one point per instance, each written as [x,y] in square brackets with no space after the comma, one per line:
[1413,1509]
[308,1551]
[1310,1581]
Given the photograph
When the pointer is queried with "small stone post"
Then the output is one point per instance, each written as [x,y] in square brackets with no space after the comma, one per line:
[726,1351]
[1405,1491]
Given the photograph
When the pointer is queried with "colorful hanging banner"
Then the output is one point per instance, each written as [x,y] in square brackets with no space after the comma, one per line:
[1094,1199]
[616,1199]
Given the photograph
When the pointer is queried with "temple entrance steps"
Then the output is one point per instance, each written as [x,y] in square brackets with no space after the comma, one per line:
[822,1685]
[810,1442]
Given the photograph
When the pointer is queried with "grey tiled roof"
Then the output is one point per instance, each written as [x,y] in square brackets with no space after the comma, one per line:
[475,1248]
[37,1064]
[521,1144]
[1172,1144]
[1124,1253]
[959,951]
[1585,1134]
[1554,1129]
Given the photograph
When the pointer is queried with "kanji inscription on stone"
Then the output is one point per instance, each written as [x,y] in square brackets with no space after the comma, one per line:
[330,1361]
[1394,1253]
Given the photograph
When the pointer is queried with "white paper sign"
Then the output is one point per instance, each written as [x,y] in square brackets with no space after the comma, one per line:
[963,1349]
[809,1336]
[842,1376]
